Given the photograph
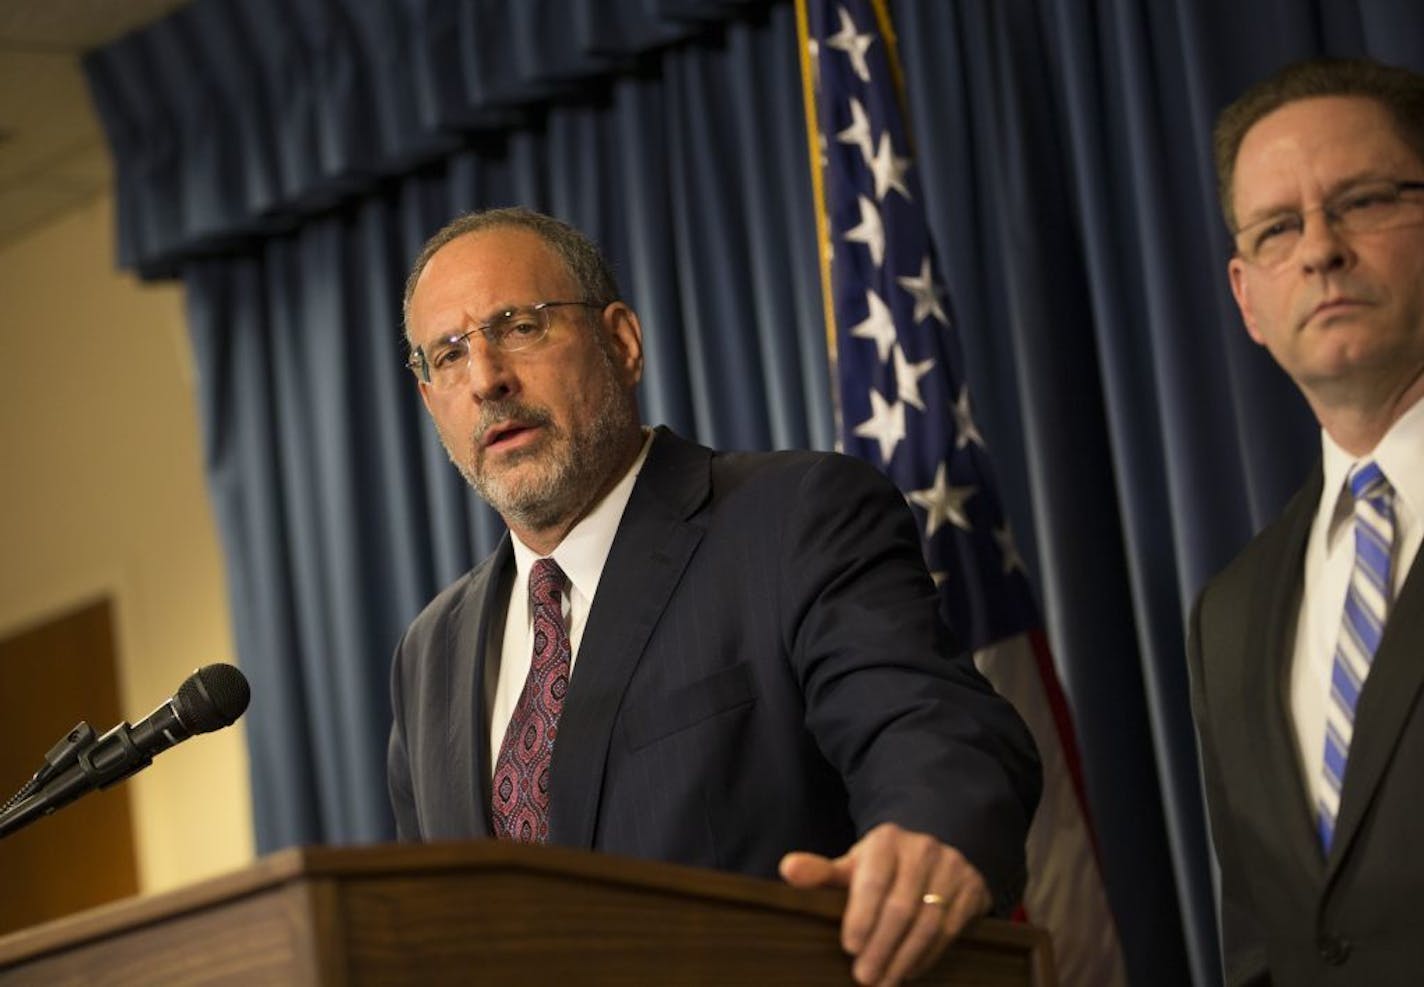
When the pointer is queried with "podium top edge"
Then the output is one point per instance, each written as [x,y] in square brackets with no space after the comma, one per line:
[352,863]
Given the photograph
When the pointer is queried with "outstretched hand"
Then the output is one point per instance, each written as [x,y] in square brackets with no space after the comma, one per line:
[910,896]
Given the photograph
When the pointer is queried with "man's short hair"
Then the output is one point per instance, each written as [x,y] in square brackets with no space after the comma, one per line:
[1399,91]
[586,264]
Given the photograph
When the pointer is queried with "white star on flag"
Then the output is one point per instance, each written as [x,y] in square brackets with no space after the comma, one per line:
[1012,559]
[870,232]
[925,292]
[853,44]
[889,170]
[942,503]
[907,377]
[886,424]
[879,325]
[871,196]
[858,133]
[965,431]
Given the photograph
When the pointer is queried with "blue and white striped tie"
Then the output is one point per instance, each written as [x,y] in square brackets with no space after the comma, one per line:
[1366,606]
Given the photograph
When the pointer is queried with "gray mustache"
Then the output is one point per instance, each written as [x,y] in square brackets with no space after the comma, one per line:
[498,412]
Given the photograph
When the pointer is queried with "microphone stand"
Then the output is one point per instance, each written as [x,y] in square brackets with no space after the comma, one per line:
[18,810]
[213,696]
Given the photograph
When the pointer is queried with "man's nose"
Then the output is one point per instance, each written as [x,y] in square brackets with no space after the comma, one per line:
[1323,246]
[492,377]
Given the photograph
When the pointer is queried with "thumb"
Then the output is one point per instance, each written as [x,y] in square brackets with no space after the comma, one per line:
[811,870]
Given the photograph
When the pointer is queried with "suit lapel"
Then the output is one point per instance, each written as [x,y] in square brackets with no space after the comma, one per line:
[471,633]
[649,553]
[1389,696]
[1268,656]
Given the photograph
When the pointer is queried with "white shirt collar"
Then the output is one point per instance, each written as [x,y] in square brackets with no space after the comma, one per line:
[1400,455]
[585,548]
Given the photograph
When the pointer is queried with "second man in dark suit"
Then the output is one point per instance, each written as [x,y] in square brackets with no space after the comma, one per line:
[1307,652]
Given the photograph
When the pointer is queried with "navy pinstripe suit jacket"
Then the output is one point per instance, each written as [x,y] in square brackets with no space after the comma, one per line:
[763,670]
[1289,914]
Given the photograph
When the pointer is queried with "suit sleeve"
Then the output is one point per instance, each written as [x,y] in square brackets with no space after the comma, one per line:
[918,735]
[1242,944]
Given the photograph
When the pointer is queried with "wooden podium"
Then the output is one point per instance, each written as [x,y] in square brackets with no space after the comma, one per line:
[486,912]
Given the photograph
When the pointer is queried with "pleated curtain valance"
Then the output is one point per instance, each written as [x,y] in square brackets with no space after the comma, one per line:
[233,119]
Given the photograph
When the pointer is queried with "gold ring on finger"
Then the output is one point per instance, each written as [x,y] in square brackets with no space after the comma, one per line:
[930,898]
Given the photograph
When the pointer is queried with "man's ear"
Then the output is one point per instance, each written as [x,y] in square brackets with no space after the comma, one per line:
[625,334]
[1241,291]
[424,389]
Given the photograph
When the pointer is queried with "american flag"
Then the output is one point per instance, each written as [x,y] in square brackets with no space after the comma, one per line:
[904,405]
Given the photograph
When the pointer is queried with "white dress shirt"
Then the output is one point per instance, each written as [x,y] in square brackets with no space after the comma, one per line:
[581,556]
[1329,560]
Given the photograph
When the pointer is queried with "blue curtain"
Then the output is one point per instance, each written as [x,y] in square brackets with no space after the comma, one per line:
[339,513]
[1140,436]
[286,159]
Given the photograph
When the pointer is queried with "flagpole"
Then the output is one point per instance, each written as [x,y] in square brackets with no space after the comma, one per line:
[818,194]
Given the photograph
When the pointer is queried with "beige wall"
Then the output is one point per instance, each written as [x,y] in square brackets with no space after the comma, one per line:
[103,493]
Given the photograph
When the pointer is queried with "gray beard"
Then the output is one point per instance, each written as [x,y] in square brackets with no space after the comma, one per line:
[572,465]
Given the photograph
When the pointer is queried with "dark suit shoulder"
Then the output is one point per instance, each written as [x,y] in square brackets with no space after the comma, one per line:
[828,470]
[450,604]
[798,498]
[681,475]
[1249,605]
[1265,551]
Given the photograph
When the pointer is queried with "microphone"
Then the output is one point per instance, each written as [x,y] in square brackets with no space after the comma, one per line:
[211,698]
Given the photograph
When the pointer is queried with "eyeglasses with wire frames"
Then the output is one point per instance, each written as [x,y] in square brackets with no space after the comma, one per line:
[1368,208]
[445,362]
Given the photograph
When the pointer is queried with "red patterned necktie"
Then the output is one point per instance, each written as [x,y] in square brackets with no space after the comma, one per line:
[519,799]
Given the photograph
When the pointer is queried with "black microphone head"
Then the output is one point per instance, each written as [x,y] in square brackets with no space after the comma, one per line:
[211,698]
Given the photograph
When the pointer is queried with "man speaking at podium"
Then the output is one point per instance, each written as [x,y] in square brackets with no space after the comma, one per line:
[723,660]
